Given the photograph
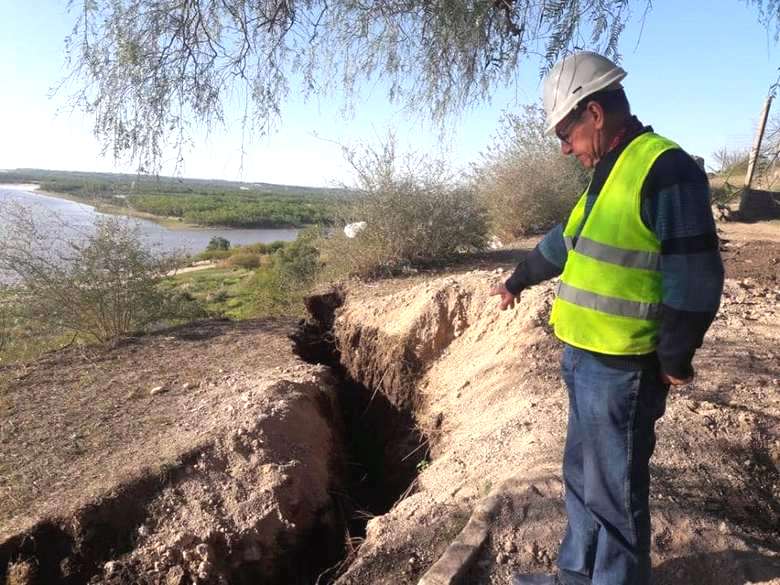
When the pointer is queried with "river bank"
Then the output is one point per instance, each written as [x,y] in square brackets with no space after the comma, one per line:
[172,223]
[189,455]
[167,236]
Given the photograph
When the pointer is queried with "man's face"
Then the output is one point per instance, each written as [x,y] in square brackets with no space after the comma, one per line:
[580,135]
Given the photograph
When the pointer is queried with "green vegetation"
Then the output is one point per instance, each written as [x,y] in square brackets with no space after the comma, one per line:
[273,282]
[415,212]
[221,291]
[524,181]
[218,243]
[225,203]
[260,210]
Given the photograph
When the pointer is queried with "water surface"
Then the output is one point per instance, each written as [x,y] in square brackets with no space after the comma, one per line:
[81,217]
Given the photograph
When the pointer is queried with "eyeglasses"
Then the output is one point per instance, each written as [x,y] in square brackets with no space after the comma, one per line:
[564,134]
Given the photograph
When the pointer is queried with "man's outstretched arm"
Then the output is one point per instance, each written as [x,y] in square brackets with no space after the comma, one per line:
[544,262]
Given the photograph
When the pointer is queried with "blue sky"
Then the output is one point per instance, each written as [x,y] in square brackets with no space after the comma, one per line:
[699,73]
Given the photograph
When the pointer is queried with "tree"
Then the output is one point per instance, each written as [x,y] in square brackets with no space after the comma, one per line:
[147,68]
[218,243]
[99,284]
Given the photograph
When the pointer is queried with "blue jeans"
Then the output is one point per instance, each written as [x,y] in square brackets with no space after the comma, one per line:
[613,408]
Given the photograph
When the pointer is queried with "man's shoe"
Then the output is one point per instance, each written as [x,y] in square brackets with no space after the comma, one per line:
[535,580]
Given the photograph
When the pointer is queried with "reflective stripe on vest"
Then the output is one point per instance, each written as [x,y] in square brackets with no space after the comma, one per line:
[630,258]
[609,298]
[610,305]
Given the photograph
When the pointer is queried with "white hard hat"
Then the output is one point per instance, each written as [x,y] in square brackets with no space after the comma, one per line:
[575,78]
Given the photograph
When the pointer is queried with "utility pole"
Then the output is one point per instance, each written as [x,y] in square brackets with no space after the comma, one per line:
[754,152]
[758,204]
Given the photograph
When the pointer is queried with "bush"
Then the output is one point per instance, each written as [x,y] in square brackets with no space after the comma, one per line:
[415,213]
[524,181]
[215,255]
[246,260]
[100,284]
[218,243]
[298,263]
[280,288]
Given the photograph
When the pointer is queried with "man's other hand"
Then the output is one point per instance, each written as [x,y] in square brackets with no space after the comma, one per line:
[507,298]
[672,381]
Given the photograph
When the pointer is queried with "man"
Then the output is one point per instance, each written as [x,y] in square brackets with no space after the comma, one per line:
[641,278]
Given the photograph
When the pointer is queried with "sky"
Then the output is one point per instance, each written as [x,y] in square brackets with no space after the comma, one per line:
[698,72]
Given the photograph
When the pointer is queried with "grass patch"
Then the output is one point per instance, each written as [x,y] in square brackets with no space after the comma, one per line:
[221,291]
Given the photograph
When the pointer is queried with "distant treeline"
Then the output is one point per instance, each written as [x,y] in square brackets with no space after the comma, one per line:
[197,201]
[230,209]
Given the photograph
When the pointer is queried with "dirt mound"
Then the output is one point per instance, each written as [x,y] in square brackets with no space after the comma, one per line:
[207,454]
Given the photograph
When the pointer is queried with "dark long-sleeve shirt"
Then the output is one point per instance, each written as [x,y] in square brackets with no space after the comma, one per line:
[675,205]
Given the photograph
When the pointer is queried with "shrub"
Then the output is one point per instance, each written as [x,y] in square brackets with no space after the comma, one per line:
[218,243]
[298,262]
[524,181]
[415,213]
[263,248]
[215,255]
[280,287]
[101,284]
[246,260]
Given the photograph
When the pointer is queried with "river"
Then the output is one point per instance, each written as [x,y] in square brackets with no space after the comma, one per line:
[80,216]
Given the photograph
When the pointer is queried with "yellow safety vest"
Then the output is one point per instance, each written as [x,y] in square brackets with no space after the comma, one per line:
[609,297]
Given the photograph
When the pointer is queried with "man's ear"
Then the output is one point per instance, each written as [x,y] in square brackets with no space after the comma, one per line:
[597,113]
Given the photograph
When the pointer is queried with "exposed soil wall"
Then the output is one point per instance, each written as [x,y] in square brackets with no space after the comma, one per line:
[484,388]
[247,496]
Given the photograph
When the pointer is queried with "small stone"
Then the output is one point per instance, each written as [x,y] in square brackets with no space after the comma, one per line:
[112,567]
[157,390]
[204,569]
[143,530]
[175,576]
[723,528]
[202,550]
[502,558]
[186,386]
[510,547]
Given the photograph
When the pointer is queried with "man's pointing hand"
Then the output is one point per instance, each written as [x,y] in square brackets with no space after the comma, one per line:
[507,298]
